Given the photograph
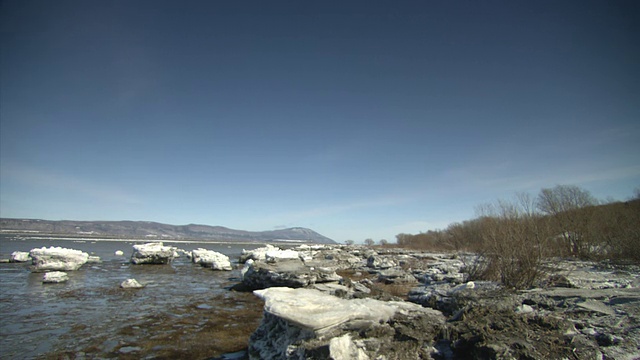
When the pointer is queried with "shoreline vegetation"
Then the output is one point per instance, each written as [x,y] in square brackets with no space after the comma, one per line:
[515,238]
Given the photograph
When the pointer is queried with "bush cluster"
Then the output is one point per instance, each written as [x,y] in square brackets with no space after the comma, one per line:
[514,238]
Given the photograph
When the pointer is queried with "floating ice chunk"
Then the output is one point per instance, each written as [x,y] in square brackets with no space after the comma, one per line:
[55,277]
[256,254]
[152,253]
[212,259]
[57,259]
[20,256]
[131,284]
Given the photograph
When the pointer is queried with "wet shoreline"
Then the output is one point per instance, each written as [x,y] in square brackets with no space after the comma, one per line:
[184,310]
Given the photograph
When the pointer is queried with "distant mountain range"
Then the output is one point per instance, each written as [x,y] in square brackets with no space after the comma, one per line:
[157,231]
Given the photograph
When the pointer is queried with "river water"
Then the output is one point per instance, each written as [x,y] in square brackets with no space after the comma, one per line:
[184,310]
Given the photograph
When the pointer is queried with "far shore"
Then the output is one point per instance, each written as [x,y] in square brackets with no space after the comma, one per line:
[70,237]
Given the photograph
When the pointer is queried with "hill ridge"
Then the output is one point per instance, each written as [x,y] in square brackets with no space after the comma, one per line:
[156,230]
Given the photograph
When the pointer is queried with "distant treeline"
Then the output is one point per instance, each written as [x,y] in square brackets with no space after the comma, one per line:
[514,237]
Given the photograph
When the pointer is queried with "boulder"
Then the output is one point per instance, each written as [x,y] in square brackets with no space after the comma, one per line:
[55,277]
[119,253]
[380,262]
[131,284]
[329,256]
[344,259]
[211,259]
[306,323]
[396,276]
[450,298]
[334,289]
[57,259]
[596,306]
[360,287]
[19,256]
[448,270]
[94,259]
[152,253]
[290,273]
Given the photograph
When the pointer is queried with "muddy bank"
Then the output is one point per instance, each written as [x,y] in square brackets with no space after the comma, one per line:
[196,330]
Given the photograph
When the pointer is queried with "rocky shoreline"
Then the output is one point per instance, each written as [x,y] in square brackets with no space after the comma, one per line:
[356,302]
[346,302]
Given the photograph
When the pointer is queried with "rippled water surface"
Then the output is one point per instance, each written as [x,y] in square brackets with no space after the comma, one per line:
[90,316]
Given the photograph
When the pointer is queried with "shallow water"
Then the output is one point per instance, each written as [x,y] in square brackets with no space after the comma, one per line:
[90,315]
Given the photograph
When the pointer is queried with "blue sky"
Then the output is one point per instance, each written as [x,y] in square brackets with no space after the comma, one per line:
[358,119]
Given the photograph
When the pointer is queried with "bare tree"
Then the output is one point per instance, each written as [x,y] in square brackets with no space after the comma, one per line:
[465,235]
[566,204]
[383,242]
[369,242]
[404,239]
[564,198]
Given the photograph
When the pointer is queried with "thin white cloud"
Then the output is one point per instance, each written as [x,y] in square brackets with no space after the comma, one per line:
[596,156]
[328,210]
[49,181]
[543,165]
[578,175]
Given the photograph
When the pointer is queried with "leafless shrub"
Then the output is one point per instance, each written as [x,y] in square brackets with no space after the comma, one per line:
[514,240]
[478,266]
[511,238]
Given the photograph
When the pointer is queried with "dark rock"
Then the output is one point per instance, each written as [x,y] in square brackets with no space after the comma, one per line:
[380,262]
[607,340]
[288,273]
[558,280]
[396,276]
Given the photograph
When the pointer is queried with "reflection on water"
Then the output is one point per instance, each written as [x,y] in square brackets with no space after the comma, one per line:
[91,314]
